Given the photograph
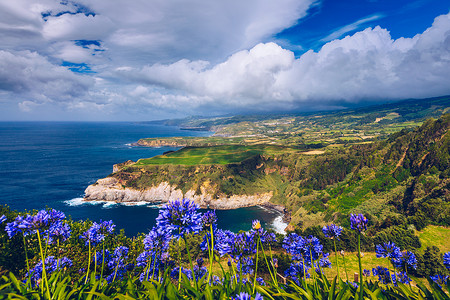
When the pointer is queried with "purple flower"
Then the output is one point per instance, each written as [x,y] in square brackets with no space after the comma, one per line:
[51,265]
[358,222]
[96,233]
[180,218]
[366,272]
[260,281]
[332,231]
[176,270]
[157,240]
[216,280]
[209,218]
[439,279]
[383,274]
[246,296]
[390,250]
[256,224]
[58,231]
[403,278]
[447,260]
[245,265]
[295,271]
[409,258]
[43,221]
[2,219]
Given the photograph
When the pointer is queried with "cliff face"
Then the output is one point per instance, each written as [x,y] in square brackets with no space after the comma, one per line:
[109,189]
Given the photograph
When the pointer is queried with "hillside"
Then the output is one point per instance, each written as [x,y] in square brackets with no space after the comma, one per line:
[404,175]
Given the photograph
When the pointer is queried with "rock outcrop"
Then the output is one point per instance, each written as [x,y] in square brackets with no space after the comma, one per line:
[109,189]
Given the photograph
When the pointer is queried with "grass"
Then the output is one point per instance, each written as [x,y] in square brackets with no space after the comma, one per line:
[219,155]
[438,236]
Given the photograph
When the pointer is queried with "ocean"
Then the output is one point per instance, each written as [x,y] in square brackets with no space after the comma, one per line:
[50,164]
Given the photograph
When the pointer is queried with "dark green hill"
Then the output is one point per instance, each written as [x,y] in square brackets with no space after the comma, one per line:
[404,175]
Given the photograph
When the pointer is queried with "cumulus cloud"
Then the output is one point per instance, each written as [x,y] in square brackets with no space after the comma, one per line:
[29,75]
[201,56]
[368,65]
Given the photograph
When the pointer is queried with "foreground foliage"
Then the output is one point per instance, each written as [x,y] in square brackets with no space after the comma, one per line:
[163,266]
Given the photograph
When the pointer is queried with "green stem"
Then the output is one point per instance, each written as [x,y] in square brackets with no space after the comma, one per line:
[44,274]
[115,271]
[179,263]
[190,262]
[256,264]
[103,261]
[337,262]
[89,262]
[211,253]
[345,266]
[26,259]
[304,271]
[360,268]
[275,282]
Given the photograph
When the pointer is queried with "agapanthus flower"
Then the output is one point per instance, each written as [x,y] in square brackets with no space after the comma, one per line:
[245,265]
[332,231]
[223,241]
[117,263]
[216,280]
[157,240]
[199,271]
[246,296]
[383,274]
[97,232]
[403,277]
[51,265]
[2,219]
[175,272]
[209,218]
[256,224]
[180,217]
[391,251]
[15,227]
[439,279]
[260,281]
[295,271]
[43,221]
[409,259]
[358,222]
[366,272]
[447,260]
[59,231]
[98,257]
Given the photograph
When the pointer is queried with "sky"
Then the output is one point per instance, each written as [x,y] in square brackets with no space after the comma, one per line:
[121,60]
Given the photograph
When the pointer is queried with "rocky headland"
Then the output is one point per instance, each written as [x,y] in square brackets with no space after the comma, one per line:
[109,189]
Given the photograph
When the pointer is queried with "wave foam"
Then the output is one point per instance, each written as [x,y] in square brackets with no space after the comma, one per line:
[279,225]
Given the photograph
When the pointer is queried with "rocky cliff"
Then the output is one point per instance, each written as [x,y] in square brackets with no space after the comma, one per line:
[109,189]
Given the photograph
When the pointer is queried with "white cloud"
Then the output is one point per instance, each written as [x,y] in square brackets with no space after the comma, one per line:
[31,76]
[367,65]
[196,56]
[350,27]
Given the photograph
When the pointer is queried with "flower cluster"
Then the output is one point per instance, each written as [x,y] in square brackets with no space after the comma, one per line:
[383,274]
[209,218]
[439,279]
[398,258]
[49,223]
[332,231]
[51,265]
[246,296]
[2,219]
[97,232]
[358,222]
[117,264]
[180,218]
[447,260]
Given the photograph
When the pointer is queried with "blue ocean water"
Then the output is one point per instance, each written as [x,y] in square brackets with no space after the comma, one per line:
[49,164]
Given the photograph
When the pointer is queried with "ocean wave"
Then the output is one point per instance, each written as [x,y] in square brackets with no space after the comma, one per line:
[135,203]
[279,225]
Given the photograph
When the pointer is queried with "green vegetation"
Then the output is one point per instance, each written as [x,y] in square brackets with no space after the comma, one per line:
[213,155]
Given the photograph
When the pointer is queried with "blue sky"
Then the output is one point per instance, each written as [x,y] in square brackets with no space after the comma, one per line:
[402,18]
[149,59]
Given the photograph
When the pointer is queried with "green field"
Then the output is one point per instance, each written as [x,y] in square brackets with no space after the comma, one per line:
[217,155]
[438,236]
